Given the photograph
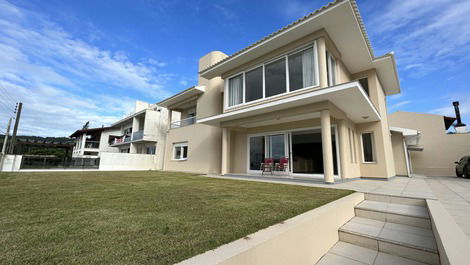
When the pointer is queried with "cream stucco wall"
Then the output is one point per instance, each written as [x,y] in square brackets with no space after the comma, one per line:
[399,154]
[383,167]
[440,149]
[204,149]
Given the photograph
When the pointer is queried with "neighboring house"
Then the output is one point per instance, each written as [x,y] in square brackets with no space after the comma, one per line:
[312,92]
[437,149]
[141,132]
[90,142]
[136,142]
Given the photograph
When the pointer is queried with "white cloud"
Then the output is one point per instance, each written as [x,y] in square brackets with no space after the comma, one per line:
[425,34]
[448,108]
[64,81]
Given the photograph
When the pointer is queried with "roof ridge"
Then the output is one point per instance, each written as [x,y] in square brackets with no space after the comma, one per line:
[329,5]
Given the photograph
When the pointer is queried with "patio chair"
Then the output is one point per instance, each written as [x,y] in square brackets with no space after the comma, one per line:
[282,165]
[267,166]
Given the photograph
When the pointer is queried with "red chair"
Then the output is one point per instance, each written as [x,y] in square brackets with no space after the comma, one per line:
[267,166]
[283,164]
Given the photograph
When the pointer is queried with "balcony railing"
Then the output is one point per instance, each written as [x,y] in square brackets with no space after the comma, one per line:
[92,144]
[137,135]
[183,122]
[121,140]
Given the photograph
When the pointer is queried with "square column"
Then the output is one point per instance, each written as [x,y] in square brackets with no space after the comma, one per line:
[225,151]
[343,148]
[322,62]
[326,146]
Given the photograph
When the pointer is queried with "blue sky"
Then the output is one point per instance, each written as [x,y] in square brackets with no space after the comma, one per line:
[73,61]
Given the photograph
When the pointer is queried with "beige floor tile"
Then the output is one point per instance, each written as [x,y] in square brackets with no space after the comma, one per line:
[386,259]
[362,254]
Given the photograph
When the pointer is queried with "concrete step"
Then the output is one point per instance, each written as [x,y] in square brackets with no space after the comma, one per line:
[407,214]
[348,254]
[395,199]
[405,241]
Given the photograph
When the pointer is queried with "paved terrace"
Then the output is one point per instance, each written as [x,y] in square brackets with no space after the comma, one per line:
[453,192]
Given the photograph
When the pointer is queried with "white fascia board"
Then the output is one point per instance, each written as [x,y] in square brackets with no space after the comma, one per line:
[316,93]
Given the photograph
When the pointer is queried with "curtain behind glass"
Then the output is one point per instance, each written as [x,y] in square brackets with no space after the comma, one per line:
[235,90]
[307,68]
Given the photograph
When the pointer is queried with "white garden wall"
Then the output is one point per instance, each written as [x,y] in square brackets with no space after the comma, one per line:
[126,161]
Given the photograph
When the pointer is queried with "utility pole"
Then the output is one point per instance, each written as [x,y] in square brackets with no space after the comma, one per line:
[15,128]
[5,141]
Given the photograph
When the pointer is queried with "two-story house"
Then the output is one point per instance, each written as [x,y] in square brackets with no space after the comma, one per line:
[312,93]
[90,142]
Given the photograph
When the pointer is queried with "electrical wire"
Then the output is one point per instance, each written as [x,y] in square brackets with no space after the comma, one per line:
[7,95]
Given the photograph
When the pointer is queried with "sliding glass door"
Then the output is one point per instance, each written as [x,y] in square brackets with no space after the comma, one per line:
[303,148]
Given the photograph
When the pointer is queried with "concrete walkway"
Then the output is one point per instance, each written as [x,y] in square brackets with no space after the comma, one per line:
[452,192]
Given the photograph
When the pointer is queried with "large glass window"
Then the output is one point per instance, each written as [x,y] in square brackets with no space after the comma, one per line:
[275,77]
[290,72]
[368,147]
[254,84]
[301,70]
[257,148]
[235,90]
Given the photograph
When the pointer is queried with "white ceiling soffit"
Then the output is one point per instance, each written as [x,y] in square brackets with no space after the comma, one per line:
[349,97]
[342,25]
[182,96]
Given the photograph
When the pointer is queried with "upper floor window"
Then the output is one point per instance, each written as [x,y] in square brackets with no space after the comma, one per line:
[235,90]
[331,69]
[288,73]
[365,84]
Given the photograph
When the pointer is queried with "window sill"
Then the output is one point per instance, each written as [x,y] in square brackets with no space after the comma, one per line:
[373,162]
[179,160]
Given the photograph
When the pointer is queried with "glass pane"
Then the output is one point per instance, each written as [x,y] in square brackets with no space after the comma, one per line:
[301,70]
[185,152]
[254,84]
[367,147]
[276,147]
[235,90]
[307,152]
[256,152]
[275,77]
[365,84]
[177,152]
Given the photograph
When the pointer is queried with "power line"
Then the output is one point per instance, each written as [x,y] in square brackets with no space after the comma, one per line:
[7,94]
[7,105]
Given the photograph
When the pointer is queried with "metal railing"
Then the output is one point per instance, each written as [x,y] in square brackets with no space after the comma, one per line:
[92,144]
[50,162]
[120,140]
[183,123]
[137,135]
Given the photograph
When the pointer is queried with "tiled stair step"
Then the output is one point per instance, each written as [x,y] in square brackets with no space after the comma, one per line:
[394,213]
[395,239]
[348,254]
[395,199]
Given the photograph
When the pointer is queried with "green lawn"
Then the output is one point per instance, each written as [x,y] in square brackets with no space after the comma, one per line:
[136,217]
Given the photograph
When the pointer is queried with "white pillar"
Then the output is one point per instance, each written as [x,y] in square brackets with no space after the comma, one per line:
[343,148]
[225,150]
[326,146]
[170,116]
[82,151]
[322,62]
